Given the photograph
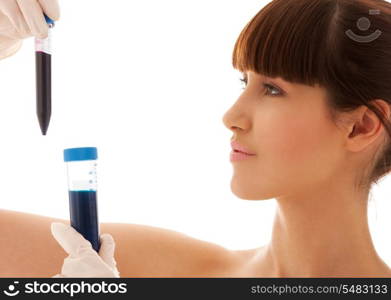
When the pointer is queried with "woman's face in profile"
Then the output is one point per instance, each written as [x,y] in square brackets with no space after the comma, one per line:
[287,126]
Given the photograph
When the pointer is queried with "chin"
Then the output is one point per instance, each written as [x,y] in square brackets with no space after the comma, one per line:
[246,192]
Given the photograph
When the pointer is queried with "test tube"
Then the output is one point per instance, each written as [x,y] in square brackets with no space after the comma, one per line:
[43,67]
[82,188]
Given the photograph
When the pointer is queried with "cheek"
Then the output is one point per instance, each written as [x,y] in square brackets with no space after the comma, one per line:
[295,148]
[291,139]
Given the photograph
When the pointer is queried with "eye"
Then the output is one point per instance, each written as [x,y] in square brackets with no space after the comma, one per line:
[272,90]
[244,82]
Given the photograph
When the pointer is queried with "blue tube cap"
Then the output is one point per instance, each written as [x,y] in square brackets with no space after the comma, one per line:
[83,153]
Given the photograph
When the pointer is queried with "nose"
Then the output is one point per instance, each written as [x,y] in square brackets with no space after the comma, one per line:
[235,119]
[227,119]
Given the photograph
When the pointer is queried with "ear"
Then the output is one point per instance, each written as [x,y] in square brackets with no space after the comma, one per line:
[365,126]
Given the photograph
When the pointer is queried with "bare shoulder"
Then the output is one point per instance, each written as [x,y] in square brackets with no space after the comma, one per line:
[29,250]
[27,246]
[252,263]
[148,251]
[387,272]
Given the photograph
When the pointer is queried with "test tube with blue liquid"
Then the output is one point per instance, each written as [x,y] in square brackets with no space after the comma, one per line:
[82,189]
[43,67]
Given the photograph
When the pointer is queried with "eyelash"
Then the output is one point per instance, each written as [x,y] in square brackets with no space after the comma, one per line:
[266,85]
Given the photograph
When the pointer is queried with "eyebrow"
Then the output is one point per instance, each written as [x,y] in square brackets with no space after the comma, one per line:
[284,84]
[281,83]
[264,76]
[278,81]
[244,74]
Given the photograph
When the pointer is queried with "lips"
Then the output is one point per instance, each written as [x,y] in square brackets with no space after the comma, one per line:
[240,148]
[237,151]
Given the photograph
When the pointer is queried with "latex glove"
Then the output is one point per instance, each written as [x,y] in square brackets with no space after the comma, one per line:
[83,260]
[20,19]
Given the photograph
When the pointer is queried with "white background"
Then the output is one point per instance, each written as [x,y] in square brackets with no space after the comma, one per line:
[147,82]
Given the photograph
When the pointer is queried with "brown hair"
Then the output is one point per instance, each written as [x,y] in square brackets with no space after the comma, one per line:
[307,42]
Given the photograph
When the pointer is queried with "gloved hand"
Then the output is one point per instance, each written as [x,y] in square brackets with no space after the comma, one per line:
[83,260]
[20,19]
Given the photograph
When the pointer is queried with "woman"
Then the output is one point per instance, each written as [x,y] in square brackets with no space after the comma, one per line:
[314,115]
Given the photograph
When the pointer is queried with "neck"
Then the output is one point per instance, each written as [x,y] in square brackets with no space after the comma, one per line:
[326,235]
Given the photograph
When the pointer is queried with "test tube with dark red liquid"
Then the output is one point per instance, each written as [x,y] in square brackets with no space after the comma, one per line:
[82,189]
